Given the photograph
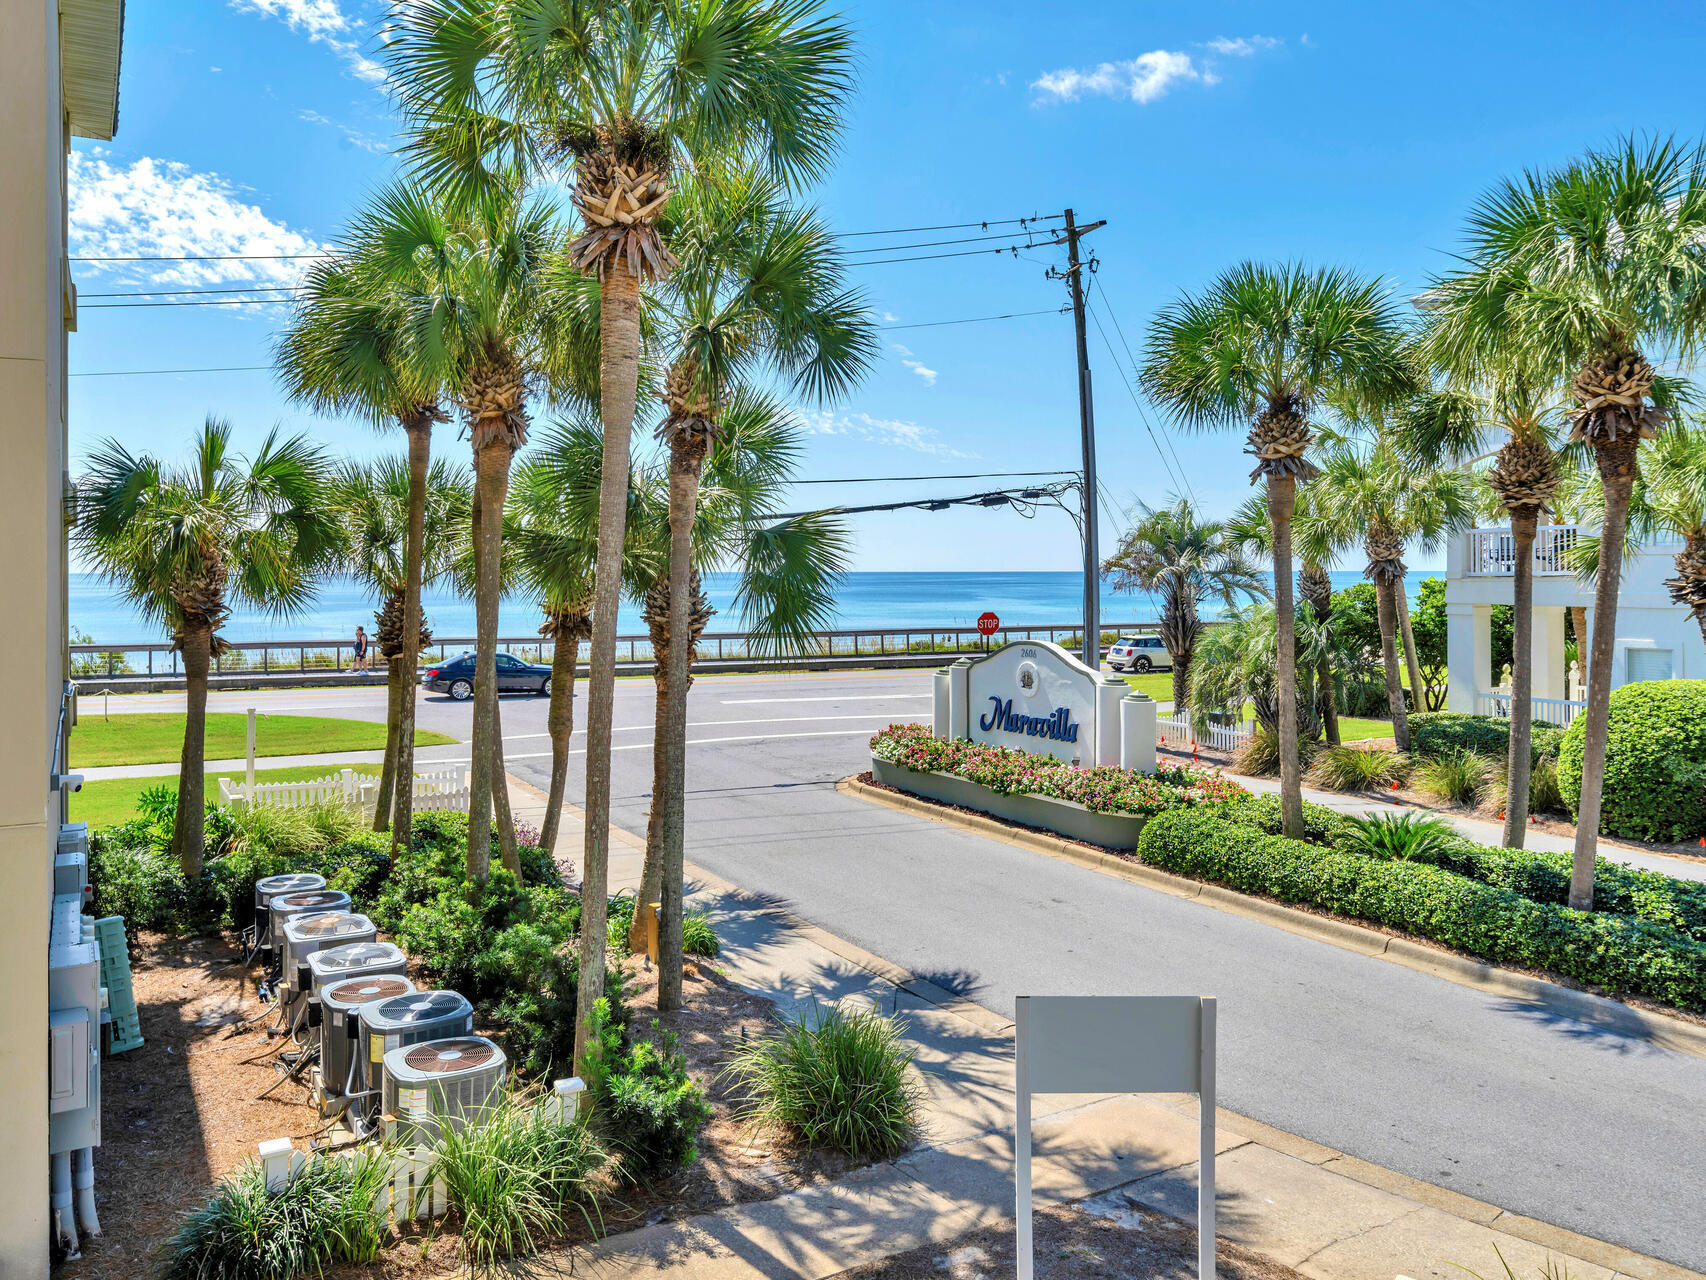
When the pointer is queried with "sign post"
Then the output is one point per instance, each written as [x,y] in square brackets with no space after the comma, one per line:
[1113,1044]
[987,625]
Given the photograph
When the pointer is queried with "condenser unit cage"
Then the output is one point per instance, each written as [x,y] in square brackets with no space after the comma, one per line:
[340,1023]
[269,887]
[440,1086]
[307,934]
[407,1020]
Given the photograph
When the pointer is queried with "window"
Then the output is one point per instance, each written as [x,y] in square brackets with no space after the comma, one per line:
[1650,664]
[507,663]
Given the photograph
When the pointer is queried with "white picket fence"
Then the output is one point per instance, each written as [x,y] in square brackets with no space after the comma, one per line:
[1175,732]
[1558,711]
[444,788]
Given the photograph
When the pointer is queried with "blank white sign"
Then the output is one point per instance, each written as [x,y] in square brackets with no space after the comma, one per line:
[1113,1044]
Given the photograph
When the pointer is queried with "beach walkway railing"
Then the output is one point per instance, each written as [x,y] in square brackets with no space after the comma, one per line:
[97,659]
[444,788]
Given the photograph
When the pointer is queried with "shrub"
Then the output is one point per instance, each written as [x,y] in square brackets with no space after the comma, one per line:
[1655,762]
[648,1107]
[1461,776]
[698,938]
[1544,793]
[1007,772]
[1410,837]
[1437,733]
[144,884]
[1321,825]
[1260,759]
[1358,769]
[838,1079]
[1622,954]
[325,1215]
[516,1178]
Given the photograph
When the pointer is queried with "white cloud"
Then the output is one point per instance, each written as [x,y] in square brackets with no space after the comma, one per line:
[917,366]
[1142,79]
[324,23]
[882,431]
[352,137]
[1242,46]
[902,348]
[889,317]
[160,208]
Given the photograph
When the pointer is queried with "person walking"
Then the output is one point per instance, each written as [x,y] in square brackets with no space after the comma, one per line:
[360,663]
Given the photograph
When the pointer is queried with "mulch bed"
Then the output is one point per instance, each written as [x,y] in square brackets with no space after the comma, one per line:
[1107,1237]
[182,1111]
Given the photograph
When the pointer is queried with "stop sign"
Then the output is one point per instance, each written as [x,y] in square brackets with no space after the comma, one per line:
[987,623]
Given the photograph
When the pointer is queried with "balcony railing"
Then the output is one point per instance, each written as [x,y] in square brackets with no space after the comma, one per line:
[1492,552]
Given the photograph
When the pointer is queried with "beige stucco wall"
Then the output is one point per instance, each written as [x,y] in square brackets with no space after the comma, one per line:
[32,436]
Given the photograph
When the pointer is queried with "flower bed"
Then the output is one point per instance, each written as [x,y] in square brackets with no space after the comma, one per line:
[1017,773]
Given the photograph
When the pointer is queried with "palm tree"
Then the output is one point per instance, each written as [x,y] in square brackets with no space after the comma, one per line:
[1367,496]
[471,291]
[624,95]
[1238,665]
[759,286]
[184,544]
[376,503]
[1174,553]
[346,350]
[1263,346]
[1580,273]
[1458,425]
[1676,507]
[787,567]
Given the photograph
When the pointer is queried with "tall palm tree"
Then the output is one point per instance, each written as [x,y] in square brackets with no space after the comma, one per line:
[787,568]
[1174,553]
[624,95]
[1513,422]
[1366,496]
[376,503]
[184,544]
[1262,346]
[1580,273]
[347,350]
[759,286]
[472,293]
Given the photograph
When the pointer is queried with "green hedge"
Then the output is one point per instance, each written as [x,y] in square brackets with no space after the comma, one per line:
[1438,733]
[1620,954]
[1655,762]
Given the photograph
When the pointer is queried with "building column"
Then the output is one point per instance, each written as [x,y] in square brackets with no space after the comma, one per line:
[1468,654]
[1550,670]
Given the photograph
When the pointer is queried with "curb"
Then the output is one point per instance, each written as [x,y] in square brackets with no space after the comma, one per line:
[1599,1012]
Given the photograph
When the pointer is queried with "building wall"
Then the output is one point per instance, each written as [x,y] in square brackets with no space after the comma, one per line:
[32,427]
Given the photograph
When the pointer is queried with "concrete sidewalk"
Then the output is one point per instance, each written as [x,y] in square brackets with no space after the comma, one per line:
[1310,1207]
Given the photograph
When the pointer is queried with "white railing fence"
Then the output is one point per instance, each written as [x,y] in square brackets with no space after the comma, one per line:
[1492,552]
[1175,732]
[444,789]
[1558,711]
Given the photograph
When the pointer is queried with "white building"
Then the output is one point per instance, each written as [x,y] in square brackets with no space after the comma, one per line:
[1655,639]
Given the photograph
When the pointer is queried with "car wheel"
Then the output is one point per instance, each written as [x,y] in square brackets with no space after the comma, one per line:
[545,687]
[461,690]
[1145,665]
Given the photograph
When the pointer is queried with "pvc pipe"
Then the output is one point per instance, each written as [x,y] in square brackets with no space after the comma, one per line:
[64,1227]
[83,1178]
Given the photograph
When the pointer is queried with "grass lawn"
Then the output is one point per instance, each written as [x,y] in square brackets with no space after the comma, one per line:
[114,800]
[1159,685]
[158,737]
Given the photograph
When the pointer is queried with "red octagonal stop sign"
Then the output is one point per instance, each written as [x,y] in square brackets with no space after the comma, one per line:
[988,623]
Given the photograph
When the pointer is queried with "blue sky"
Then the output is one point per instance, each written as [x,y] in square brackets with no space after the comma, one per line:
[1204,134]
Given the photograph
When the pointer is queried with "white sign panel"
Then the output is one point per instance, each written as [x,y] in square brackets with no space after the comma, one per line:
[1033,696]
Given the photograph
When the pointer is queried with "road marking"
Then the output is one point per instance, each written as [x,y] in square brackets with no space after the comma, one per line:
[692,742]
[845,697]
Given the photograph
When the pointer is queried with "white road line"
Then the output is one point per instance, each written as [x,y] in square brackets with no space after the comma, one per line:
[692,742]
[846,697]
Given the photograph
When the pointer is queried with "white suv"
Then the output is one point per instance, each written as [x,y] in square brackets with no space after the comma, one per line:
[1139,653]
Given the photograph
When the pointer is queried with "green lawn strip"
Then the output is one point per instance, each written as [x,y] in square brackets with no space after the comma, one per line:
[114,800]
[1157,684]
[158,737]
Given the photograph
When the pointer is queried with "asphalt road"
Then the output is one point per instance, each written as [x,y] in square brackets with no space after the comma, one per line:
[1569,1123]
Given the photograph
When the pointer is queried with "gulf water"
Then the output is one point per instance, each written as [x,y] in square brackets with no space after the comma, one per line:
[887,600]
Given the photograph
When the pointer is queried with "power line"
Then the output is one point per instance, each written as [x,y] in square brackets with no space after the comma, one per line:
[956,226]
[169,293]
[140,373]
[1012,315]
[1131,362]
[974,475]
[965,253]
[932,244]
[225,302]
[1126,381]
[1024,501]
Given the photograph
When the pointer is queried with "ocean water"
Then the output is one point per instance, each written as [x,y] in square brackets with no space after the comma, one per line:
[889,600]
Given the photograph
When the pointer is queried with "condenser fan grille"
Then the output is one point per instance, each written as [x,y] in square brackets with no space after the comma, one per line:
[442,1056]
[294,882]
[423,1008]
[333,922]
[308,901]
[362,990]
[356,953]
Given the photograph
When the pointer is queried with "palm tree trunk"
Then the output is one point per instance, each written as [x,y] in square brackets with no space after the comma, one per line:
[491,479]
[651,869]
[1520,760]
[1412,665]
[560,721]
[1388,615]
[1319,592]
[1618,470]
[1181,681]
[1282,501]
[187,832]
[1579,619]
[419,429]
[684,463]
[388,770]
[500,796]
[619,371]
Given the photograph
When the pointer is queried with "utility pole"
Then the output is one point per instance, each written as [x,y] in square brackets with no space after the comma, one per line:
[1073,275]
